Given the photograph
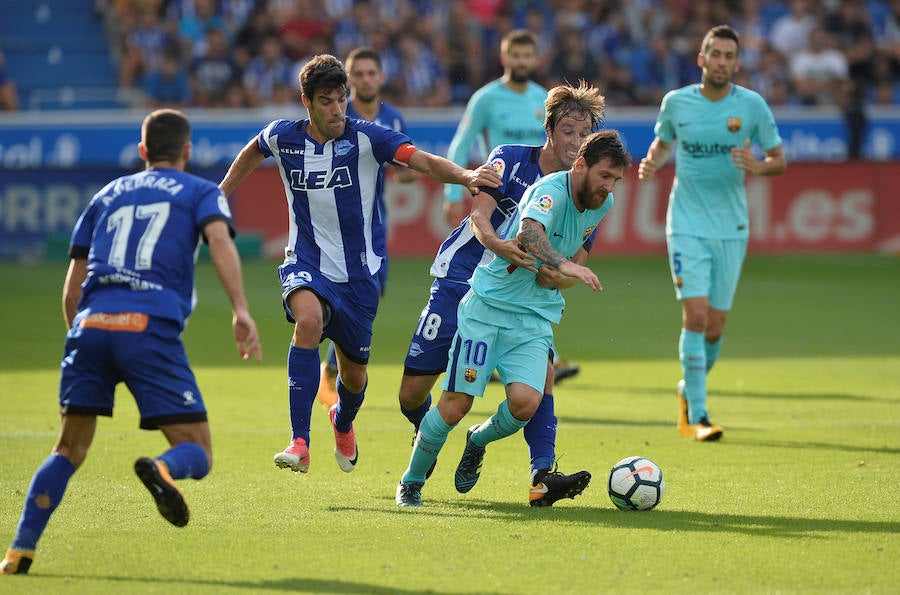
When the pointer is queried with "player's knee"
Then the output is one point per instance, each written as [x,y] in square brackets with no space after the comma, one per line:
[307,334]
[354,378]
[410,398]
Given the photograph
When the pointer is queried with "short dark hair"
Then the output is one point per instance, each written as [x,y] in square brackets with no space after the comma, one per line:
[566,99]
[605,144]
[719,32]
[164,133]
[517,37]
[363,53]
[323,73]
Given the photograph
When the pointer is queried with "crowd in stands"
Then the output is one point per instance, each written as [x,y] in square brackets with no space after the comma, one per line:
[247,53]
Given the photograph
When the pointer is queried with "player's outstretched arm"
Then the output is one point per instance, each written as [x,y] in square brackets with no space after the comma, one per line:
[246,161]
[444,170]
[227,262]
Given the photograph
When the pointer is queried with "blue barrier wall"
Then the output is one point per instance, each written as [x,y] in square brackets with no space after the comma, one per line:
[52,163]
[72,139]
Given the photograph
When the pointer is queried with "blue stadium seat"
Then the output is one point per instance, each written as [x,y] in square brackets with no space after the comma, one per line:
[56,51]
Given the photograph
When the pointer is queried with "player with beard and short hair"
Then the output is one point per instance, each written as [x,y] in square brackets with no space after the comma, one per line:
[572,113]
[506,111]
[504,321]
[713,124]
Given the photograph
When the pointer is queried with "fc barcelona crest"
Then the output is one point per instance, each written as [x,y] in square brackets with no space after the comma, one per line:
[471,375]
[734,124]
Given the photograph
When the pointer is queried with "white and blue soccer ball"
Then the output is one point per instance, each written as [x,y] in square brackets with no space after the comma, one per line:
[636,483]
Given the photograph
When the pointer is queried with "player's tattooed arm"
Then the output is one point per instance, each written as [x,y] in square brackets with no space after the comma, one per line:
[532,236]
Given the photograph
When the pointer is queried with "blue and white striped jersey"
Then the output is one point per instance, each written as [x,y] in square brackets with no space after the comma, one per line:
[333,190]
[140,235]
[389,117]
[461,252]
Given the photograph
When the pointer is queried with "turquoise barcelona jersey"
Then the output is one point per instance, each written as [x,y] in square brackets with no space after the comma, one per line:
[497,115]
[549,202]
[708,197]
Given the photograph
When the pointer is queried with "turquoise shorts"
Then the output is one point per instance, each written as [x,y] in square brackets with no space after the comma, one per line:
[517,345]
[703,267]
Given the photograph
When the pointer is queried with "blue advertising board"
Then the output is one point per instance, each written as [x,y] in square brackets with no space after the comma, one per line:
[52,163]
[69,140]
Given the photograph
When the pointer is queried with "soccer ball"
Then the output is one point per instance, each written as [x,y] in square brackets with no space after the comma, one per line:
[636,483]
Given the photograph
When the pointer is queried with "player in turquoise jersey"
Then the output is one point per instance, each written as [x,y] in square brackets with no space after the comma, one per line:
[714,124]
[505,320]
[506,111]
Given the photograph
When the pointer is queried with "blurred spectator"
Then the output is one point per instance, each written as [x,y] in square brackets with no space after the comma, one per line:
[437,52]
[819,72]
[354,28]
[194,27]
[572,61]
[790,33]
[888,38]
[299,23]
[169,86]
[9,94]
[754,40]
[656,69]
[236,13]
[266,72]
[772,78]
[213,71]
[851,28]
[259,26]
[424,83]
[144,46]
[457,47]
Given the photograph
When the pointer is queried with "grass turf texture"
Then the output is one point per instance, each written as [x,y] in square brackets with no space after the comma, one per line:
[800,495]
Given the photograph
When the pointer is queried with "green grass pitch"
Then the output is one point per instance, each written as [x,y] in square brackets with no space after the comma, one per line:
[799,496]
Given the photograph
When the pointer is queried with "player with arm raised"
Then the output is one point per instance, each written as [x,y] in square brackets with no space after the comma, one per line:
[332,169]
[365,78]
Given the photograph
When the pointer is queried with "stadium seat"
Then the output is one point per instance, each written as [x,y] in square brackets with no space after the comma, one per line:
[58,55]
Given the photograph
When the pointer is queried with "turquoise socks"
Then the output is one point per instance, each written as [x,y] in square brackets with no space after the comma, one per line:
[432,435]
[712,353]
[500,425]
[692,353]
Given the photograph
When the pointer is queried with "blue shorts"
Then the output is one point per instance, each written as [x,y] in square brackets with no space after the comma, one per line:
[430,344]
[349,307]
[703,267]
[517,345]
[144,352]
